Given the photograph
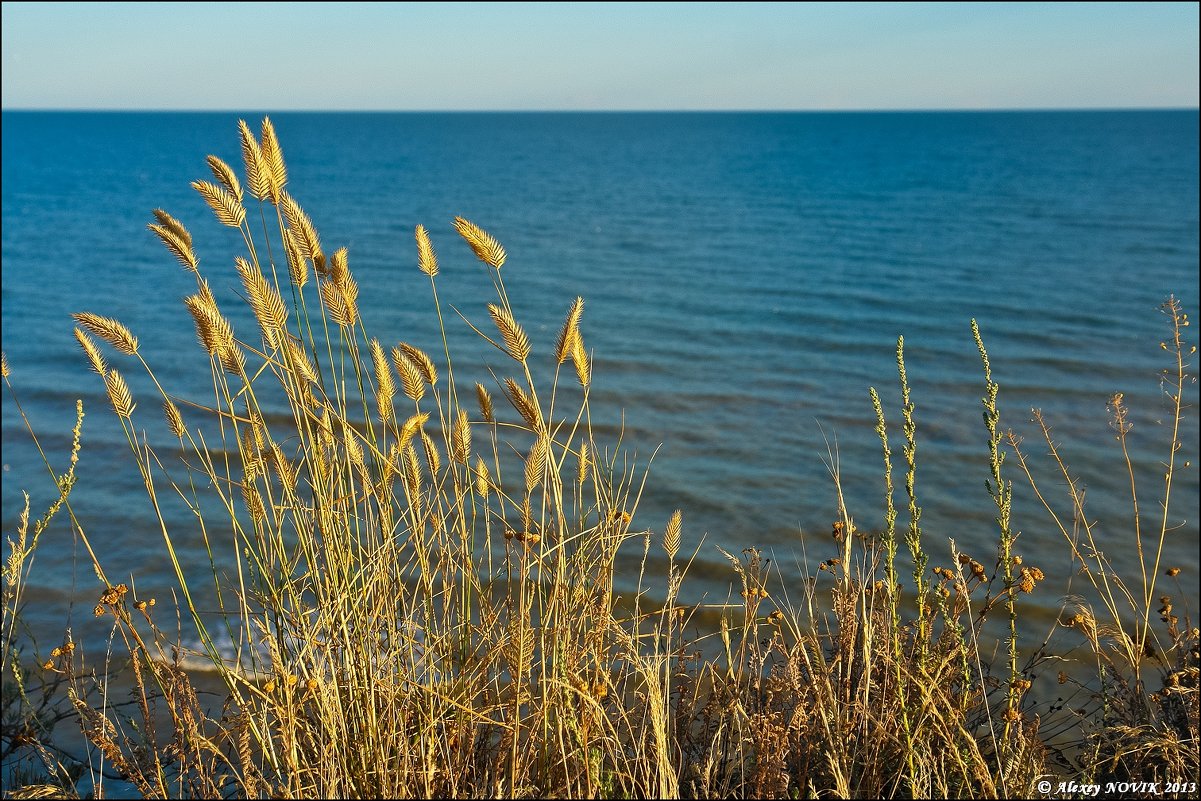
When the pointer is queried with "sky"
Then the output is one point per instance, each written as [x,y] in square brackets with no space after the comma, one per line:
[598,56]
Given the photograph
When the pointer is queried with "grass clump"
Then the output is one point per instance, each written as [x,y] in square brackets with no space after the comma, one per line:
[412,571]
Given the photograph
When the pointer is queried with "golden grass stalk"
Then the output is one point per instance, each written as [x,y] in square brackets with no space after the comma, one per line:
[582,464]
[226,177]
[265,302]
[422,361]
[535,463]
[485,402]
[339,266]
[483,479]
[257,178]
[516,341]
[111,331]
[273,161]
[342,310]
[4,373]
[180,248]
[461,439]
[354,451]
[215,333]
[91,351]
[174,226]
[298,268]
[174,419]
[303,230]
[300,362]
[412,473]
[524,404]
[671,534]
[427,260]
[227,208]
[283,468]
[119,394]
[385,387]
[411,427]
[581,361]
[431,453]
[251,452]
[565,343]
[253,501]
[410,375]
[486,248]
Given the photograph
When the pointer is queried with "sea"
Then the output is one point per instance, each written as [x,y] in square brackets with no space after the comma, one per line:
[746,278]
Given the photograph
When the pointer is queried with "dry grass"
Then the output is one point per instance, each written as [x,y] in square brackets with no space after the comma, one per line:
[419,599]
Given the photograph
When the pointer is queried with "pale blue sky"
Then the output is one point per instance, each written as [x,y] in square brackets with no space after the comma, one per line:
[433,56]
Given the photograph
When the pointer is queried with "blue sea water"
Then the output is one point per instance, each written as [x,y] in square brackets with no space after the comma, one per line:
[746,277]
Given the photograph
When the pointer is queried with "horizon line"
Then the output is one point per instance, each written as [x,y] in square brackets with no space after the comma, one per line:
[879,110]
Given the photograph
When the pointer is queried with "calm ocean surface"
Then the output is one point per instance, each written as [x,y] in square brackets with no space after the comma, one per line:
[746,278]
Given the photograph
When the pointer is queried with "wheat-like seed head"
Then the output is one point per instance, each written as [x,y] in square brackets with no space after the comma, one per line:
[273,161]
[265,301]
[431,453]
[350,293]
[298,268]
[516,341]
[174,226]
[579,358]
[205,293]
[283,468]
[483,481]
[91,351]
[583,464]
[257,178]
[423,362]
[118,394]
[485,401]
[223,203]
[4,373]
[535,464]
[411,427]
[300,362]
[412,473]
[180,249]
[111,331]
[486,248]
[383,496]
[339,266]
[524,405]
[325,425]
[354,451]
[251,457]
[385,387]
[174,419]
[304,231]
[258,427]
[341,307]
[565,342]
[226,177]
[427,260]
[571,330]
[215,333]
[461,440]
[254,501]
[410,375]
[671,535]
